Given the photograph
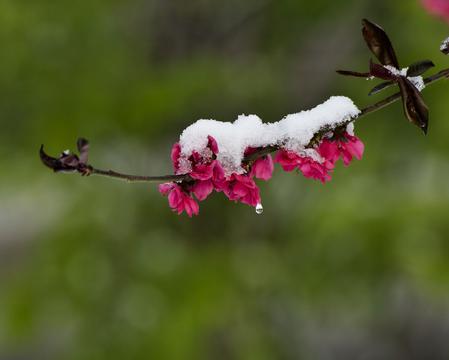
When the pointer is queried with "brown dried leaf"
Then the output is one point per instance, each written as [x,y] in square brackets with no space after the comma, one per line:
[415,109]
[83,148]
[65,162]
[353,73]
[420,67]
[379,43]
[381,72]
[380,87]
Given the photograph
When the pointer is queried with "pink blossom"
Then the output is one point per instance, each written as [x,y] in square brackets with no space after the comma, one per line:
[329,150]
[218,177]
[354,147]
[313,169]
[202,171]
[437,7]
[242,188]
[212,144]
[345,147]
[178,199]
[211,171]
[309,167]
[288,160]
[197,160]
[175,154]
[202,189]
[263,168]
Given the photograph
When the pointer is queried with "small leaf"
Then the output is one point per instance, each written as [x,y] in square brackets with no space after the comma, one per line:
[83,148]
[381,72]
[68,162]
[420,67]
[63,163]
[415,109]
[353,73]
[380,87]
[379,43]
[47,160]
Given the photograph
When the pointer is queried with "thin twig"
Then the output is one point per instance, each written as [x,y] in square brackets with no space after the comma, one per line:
[138,178]
[395,97]
[261,152]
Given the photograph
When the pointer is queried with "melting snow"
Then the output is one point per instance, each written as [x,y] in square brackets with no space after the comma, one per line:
[444,47]
[415,80]
[293,132]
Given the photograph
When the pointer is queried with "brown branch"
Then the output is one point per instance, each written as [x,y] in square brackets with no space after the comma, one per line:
[395,97]
[71,163]
[138,178]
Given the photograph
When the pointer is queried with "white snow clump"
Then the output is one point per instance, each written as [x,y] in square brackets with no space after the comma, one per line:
[293,132]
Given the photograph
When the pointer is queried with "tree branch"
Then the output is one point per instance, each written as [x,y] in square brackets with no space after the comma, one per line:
[138,178]
[71,163]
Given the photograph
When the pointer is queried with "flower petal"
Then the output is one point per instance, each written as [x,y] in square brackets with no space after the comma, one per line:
[212,144]
[175,154]
[263,168]
[202,189]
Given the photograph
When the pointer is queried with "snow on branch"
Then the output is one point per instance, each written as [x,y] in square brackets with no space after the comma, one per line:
[293,132]
[227,157]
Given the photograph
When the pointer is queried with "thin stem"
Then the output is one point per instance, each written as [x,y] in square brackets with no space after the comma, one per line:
[261,152]
[395,97]
[137,178]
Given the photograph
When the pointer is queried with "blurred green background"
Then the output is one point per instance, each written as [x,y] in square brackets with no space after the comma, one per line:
[99,269]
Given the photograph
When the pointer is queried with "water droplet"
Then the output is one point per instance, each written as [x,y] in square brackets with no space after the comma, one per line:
[66,152]
[259,209]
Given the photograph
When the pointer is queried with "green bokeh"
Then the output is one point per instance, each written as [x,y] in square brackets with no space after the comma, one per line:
[98,269]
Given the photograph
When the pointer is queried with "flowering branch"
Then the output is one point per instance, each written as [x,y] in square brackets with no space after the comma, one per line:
[225,157]
[86,170]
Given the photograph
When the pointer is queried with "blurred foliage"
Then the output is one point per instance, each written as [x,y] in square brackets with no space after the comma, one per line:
[97,269]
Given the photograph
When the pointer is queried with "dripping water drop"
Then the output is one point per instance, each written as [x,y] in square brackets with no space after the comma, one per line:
[259,209]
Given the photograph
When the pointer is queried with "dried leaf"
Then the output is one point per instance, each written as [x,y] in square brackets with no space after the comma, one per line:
[353,73]
[415,109]
[381,72]
[379,43]
[68,162]
[380,87]
[420,67]
[63,163]
[83,148]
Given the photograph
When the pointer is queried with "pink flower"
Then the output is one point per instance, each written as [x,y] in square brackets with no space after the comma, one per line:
[329,150]
[178,199]
[353,147]
[437,7]
[212,144]
[211,171]
[315,170]
[218,177]
[310,168]
[202,189]
[202,171]
[263,168]
[197,160]
[288,160]
[242,188]
[175,154]
[345,147]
